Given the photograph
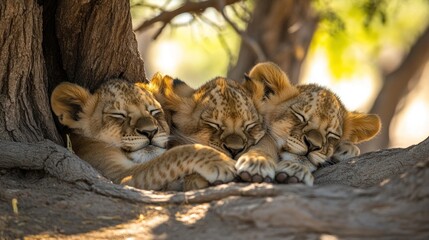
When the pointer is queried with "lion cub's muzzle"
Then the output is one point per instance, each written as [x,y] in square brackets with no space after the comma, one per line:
[147,127]
[234,144]
[313,140]
[140,135]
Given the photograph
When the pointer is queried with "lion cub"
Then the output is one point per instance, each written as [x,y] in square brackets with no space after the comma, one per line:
[310,125]
[121,130]
[223,115]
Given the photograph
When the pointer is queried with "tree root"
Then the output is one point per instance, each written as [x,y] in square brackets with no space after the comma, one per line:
[364,171]
[64,165]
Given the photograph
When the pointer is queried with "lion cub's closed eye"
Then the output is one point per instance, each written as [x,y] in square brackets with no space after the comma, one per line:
[309,123]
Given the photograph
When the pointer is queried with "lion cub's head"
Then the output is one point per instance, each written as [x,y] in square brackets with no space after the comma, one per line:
[220,114]
[308,120]
[119,113]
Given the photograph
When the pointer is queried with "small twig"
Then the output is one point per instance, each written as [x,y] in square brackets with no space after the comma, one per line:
[156,35]
[245,8]
[243,18]
[210,23]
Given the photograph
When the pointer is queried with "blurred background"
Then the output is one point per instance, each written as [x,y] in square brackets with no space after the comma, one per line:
[373,53]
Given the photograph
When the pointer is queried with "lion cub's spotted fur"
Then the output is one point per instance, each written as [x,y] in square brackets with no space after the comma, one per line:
[221,114]
[121,130]
[310,125]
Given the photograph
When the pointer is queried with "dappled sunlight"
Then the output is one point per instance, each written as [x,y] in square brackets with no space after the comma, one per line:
[356,92]
[194,60]
[166,55]
[328,237]
[143,225]
[411,125]
[153,222]
[192,214]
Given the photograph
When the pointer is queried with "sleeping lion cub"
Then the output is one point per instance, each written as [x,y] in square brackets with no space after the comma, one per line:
[223,115]
[310,125]
[121,130]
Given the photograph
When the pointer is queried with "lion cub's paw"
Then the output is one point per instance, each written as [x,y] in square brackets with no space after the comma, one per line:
[255,168]
[345,150]
[217,171]
[292,172]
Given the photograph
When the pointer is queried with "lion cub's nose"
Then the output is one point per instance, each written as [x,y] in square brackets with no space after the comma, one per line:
[146,127]
[313,139]
[234,144]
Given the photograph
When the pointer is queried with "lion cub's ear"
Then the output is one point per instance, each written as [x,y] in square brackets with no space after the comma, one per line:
[67,101]
[171,93]
[255,88]
[159,83]
[273,78]
[359,127]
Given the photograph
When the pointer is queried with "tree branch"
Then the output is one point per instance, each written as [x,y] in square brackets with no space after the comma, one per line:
[365,171]
[390,210]
[189,7]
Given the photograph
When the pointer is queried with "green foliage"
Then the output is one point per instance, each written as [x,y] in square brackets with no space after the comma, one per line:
[353,33]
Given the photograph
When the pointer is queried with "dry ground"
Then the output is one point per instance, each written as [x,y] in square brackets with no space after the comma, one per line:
[52,209]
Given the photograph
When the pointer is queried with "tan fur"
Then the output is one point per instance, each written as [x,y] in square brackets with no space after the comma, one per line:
[121,131]
[221,114]
[309,120]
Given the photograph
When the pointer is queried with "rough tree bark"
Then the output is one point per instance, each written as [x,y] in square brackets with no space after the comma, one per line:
[25,113]
[97,42]
[282,31]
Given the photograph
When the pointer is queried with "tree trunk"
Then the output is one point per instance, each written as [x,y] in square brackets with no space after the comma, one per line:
[84,42]
[283,31]
[97,42]
[395,87]
[25,111]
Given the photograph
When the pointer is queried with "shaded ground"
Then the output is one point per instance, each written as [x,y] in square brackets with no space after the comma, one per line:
[51,209]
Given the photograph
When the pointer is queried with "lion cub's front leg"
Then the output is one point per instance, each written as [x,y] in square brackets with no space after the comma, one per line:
[258,163]
[215,167]
[294,169]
